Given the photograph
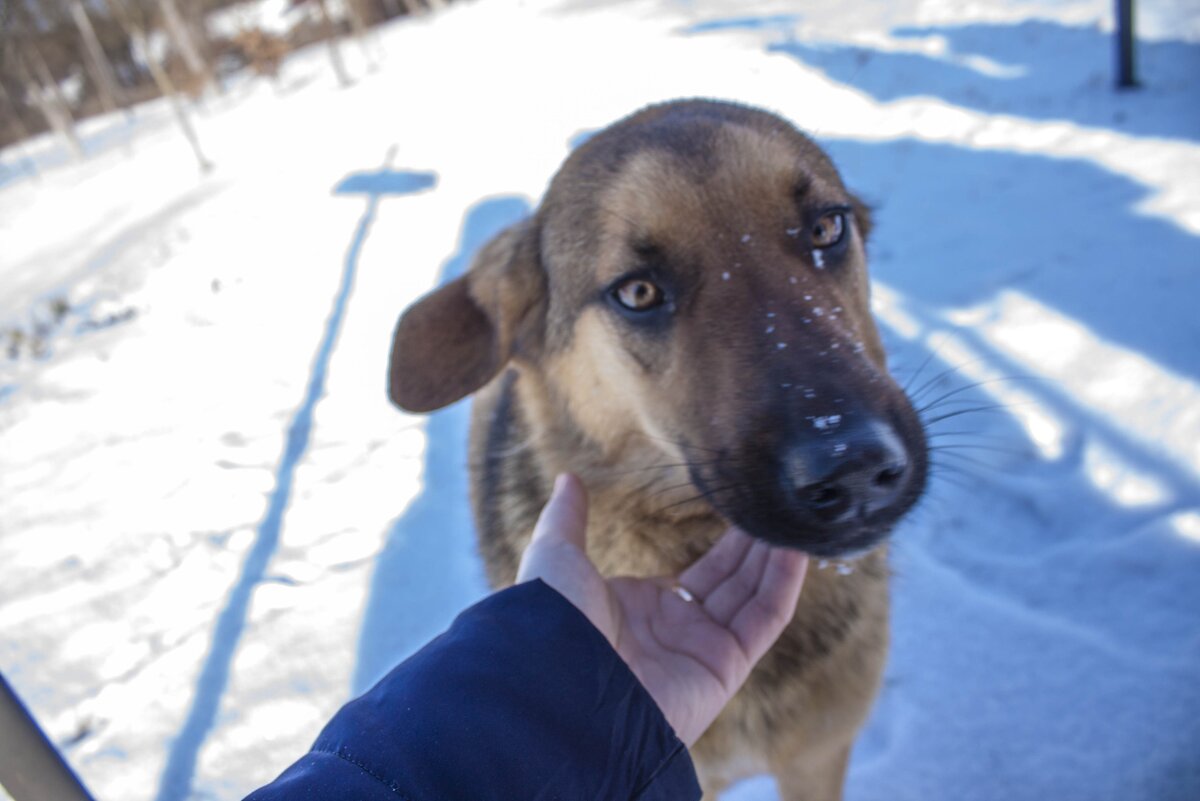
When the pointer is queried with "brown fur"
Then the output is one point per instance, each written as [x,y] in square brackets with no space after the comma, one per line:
[682,423]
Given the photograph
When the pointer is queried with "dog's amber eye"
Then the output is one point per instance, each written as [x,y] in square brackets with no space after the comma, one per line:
[639,294]
[829,230]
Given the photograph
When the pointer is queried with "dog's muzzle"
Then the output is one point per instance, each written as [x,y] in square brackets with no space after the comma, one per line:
[849,471]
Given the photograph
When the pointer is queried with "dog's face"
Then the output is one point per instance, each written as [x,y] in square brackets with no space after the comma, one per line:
[694,286]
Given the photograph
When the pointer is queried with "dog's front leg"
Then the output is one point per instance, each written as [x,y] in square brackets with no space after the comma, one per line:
[812,776]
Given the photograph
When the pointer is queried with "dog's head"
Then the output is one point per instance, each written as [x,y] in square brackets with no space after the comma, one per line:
[694,284]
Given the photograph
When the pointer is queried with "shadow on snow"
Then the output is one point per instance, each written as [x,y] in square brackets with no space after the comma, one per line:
[427,572]
[1036,69]
[176,780]
[1031,596]
[956,226]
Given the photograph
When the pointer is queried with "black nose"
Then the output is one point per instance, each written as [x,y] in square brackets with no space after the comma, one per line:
[850,471]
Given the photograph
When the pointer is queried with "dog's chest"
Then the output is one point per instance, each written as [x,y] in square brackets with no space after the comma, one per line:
[623,541]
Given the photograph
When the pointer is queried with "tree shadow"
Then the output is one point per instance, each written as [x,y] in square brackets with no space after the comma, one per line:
[428,570]
[1035,616]
[767,22]
[44,152]
[956,226]
[1032,603]
[1034,69]
[180,768]
[22,165]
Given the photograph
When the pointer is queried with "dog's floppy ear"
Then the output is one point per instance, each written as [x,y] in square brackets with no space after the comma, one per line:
[457,338]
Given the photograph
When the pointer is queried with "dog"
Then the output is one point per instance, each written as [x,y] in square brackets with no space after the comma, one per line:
[683,323]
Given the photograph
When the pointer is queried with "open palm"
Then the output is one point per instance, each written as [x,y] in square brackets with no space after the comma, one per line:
[691,640]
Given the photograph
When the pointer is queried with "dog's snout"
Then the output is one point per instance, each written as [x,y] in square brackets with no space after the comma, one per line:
[851,473]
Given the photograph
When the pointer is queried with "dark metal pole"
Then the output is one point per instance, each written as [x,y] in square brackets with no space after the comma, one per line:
[31,769]
[1126,77]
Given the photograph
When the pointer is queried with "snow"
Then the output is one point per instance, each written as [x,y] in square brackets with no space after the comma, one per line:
[216,529]
[270,16]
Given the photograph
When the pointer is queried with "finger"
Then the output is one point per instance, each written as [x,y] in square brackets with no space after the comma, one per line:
[564,517]
[715,566]
[563,521]
[739,586]
[760,621]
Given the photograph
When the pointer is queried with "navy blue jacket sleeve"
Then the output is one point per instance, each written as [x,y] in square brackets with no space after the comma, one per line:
[522,698]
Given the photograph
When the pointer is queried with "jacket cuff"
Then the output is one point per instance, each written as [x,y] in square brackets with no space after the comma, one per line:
[521,698]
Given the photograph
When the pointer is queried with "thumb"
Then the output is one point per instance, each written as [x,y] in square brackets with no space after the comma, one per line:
[564,518]
[558,555]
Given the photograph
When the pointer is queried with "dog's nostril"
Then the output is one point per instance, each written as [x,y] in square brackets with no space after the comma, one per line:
[889,476]
[824,496]
[827,501]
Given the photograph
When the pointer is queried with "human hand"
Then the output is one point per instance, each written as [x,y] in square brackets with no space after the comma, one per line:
[691,641]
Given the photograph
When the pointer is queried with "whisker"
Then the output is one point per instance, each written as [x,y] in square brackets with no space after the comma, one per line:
[672,488]
[953,368]
[949,415]
[948,395]
[611,472]
[920,369]
[677,443]
[937,496]
[982,435]
[964,459]
[916,393]
[954,478]
[704,495]
[934,352]
[972,385]
[966,446]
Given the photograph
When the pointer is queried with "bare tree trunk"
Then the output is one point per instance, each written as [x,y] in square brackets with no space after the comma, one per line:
[183,40]
[101,70]
[335,54]
[134,26]
[167,88]
[19,132]
[360,30]
[412,7]
[195,19]
[18,129]
[49,97]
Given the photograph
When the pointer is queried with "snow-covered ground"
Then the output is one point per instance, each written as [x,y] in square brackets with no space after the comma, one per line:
[214,528]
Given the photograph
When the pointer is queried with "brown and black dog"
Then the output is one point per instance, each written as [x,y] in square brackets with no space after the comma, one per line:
[684,324]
